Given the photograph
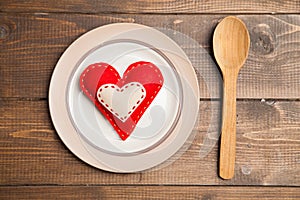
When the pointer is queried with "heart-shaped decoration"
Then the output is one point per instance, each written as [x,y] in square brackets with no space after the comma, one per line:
[122,101]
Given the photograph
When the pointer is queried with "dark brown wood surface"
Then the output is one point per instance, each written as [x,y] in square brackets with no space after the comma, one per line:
[267,150]
[157,6]
[35,164]
[149,192]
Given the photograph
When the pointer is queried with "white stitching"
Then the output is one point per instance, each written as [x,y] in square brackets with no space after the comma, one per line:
[111,69]
[140,100]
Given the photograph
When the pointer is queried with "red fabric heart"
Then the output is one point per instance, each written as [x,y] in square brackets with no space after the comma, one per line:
[145,73]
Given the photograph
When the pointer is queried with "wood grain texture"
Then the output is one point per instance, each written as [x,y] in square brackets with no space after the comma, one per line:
[268,149]
[31,44]
[149,192]
[231,42]
[35,164]
[146,6]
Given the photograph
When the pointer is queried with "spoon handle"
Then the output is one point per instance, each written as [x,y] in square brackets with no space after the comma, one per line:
[228,136]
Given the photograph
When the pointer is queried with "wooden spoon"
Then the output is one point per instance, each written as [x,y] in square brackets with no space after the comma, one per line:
[231,43]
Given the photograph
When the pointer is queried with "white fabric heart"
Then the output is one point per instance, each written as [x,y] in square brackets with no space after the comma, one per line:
[121,102]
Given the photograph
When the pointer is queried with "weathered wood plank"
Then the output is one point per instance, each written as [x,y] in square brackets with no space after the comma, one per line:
[149,192]
[268,149]
[159,6]
[31,44]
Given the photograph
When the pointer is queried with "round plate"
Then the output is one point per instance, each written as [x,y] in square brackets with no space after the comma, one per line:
[168,121]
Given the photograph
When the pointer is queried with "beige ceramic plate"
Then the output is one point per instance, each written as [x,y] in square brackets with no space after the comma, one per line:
[138,153]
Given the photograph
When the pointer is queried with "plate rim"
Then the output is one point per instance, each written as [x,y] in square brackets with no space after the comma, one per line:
[82,153]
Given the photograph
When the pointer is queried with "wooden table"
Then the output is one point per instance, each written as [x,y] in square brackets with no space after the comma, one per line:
[35,164]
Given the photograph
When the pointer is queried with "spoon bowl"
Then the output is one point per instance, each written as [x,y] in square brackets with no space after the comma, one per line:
[231,44]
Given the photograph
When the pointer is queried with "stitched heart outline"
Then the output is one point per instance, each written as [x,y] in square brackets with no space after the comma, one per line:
[113,98]
[98,74]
